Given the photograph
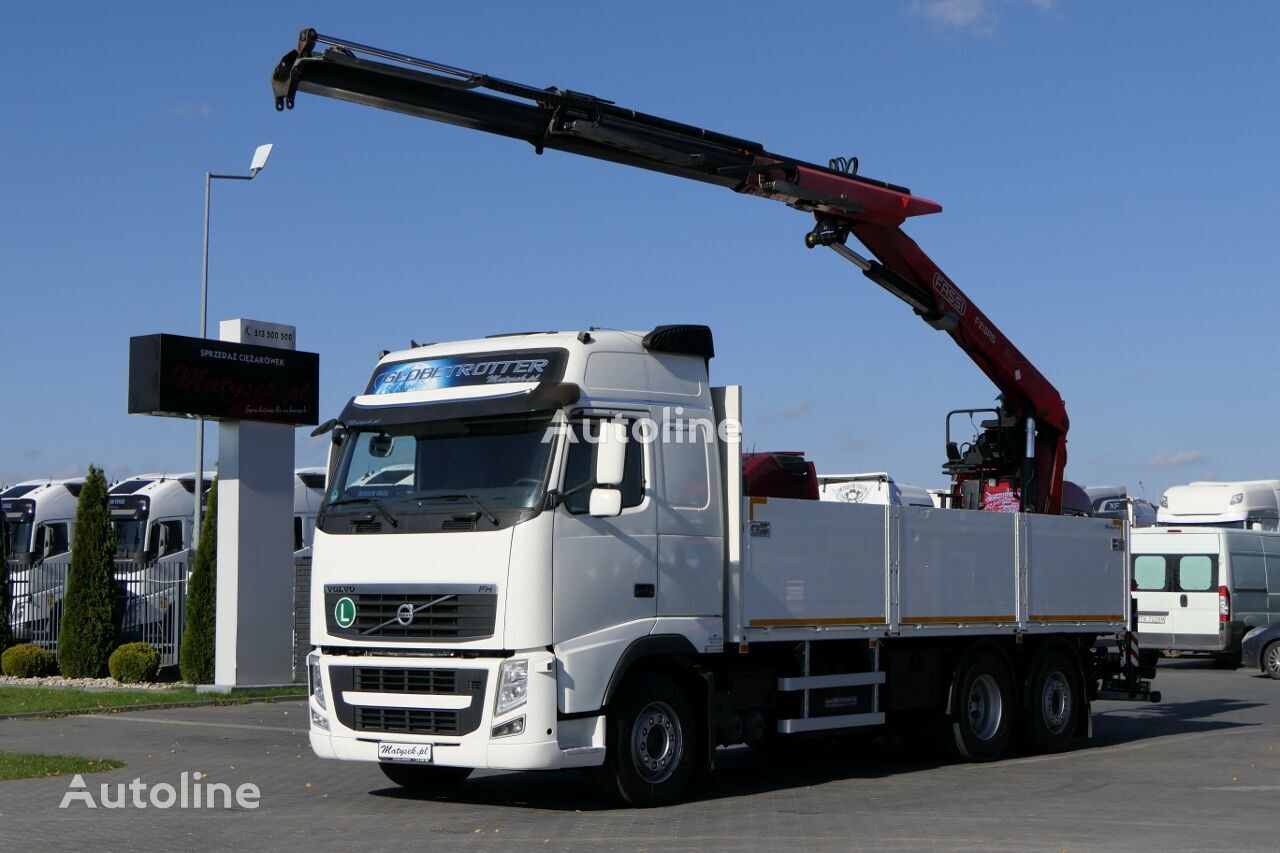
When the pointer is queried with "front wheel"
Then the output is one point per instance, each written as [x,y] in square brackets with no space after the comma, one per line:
[980,725]
[1271,660]
[650,743]
[425,778]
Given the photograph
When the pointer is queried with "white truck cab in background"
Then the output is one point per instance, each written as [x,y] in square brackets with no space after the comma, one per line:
[1244,504]
[39,519]
[872,488]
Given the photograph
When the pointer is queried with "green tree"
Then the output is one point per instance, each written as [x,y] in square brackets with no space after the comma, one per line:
[195,655]
[90,609]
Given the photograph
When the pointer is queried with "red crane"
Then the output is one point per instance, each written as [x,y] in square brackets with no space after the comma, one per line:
[1017,459]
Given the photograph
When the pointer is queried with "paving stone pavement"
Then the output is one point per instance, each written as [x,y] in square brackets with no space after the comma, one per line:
[1200,771]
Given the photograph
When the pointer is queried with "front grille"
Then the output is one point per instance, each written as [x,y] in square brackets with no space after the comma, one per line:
[403,681]
[374,680]
[416,721]
[435,615]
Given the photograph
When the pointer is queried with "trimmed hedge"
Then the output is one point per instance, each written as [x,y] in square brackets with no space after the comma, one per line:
[134,663]
[195,654]
[28,661]
[89,616]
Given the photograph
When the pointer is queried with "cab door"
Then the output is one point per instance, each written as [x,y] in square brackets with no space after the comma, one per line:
[604,569]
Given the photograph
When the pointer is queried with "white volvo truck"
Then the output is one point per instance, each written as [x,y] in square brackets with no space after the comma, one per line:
[490,593]
[574,574]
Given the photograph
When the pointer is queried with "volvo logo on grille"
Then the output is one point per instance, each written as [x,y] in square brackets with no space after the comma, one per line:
[404,614]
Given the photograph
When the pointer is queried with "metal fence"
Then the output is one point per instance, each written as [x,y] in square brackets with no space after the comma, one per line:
[152,603]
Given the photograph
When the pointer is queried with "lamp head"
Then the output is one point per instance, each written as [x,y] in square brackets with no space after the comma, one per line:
[260,156]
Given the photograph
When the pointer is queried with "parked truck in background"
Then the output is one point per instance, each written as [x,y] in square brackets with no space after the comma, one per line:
[1244,504]
[871,488]
[39,528]
[541,551]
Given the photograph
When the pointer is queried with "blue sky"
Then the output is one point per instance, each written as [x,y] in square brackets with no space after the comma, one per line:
[1108,175]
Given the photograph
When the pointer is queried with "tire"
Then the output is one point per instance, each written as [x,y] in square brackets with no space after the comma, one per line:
[425,778]
[981,725]
[1230,660]
[1048,723]
[1270,659]
[651,742]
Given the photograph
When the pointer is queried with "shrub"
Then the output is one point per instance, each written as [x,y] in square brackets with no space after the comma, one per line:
[89,615]
[28,660]
[195,654]
[134,663]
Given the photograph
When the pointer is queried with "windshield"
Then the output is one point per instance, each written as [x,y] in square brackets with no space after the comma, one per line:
[130,536]
[501,462]
[17,538]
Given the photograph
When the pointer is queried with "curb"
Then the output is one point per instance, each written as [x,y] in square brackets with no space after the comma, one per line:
[153,706]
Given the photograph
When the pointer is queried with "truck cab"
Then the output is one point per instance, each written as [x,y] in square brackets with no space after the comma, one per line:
[39,529]
[467,491]
[1245,504]
[872,488]
[152,516]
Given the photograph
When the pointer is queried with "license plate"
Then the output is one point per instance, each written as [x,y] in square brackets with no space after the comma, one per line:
[1151,618]
[414,753]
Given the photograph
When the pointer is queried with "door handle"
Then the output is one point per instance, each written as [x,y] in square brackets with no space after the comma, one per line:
[644,590]
[1183,601]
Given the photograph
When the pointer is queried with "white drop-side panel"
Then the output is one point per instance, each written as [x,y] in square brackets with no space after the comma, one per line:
[820,563]
[1077,570]
[957,566]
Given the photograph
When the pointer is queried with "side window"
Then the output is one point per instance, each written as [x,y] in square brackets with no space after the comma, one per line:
[166,538]
[581,463]
[1248,572]
[56,539]
[685,468]
[1197,573]
[1150,572]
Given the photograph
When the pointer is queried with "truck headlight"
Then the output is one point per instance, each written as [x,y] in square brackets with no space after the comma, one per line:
[513,686]
[316,680]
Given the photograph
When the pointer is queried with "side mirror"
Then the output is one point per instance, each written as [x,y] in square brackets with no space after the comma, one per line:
[611,455]
[605,503]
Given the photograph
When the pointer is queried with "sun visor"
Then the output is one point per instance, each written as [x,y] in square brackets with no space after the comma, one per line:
[357,414]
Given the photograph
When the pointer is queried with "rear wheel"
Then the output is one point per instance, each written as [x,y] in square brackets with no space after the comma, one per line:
[650,742]
[1230,660]
[1271,660]
[1049,721]
[425,778]
[980,725]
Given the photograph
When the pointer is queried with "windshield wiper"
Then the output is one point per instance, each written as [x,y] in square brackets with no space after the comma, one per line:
[374,502]
[493,519]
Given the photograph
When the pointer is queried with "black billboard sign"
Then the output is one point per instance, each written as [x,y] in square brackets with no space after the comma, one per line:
[179,376]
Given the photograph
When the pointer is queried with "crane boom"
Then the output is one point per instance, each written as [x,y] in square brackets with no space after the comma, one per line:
[842,201]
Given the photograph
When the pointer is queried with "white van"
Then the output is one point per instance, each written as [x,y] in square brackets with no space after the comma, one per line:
[1202,589]
[873,488]
[1245,504]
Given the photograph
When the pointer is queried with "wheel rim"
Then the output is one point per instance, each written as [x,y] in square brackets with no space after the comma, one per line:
[657,742]
[985,707]
[1055,703]
[1272,660]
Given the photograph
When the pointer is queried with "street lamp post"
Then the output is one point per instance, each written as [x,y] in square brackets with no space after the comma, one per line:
[260,156]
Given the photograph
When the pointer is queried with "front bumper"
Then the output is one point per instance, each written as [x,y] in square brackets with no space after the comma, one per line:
[360,715]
